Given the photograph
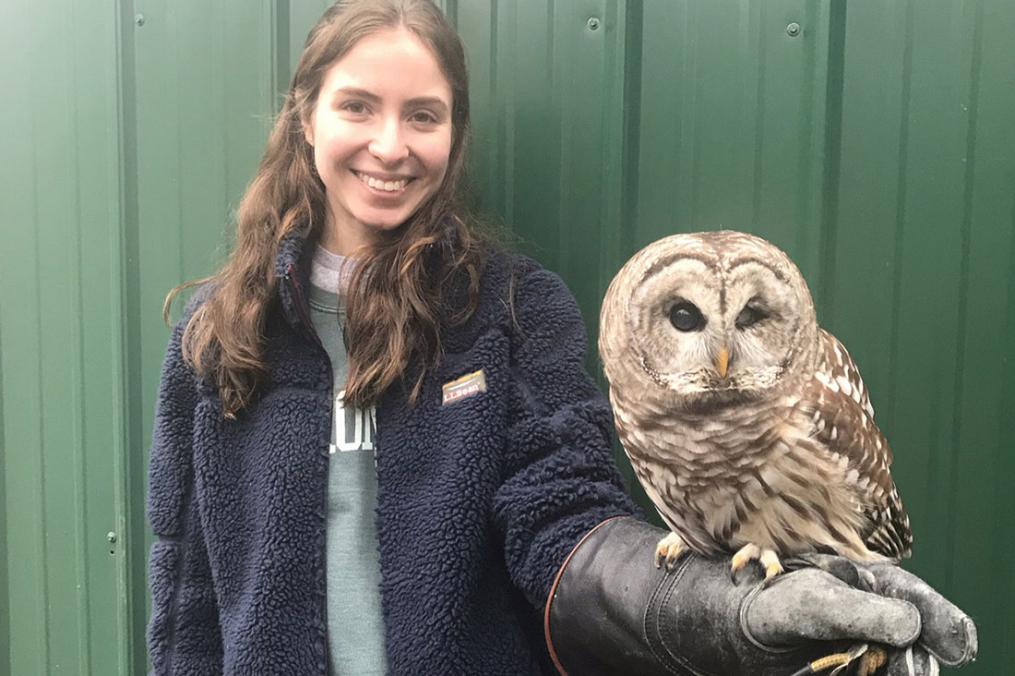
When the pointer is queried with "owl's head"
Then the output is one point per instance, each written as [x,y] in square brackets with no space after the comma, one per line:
[706,319]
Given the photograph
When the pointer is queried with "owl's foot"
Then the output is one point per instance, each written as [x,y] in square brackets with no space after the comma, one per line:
[752,552]
[670,549]
[868,659]
[871,661]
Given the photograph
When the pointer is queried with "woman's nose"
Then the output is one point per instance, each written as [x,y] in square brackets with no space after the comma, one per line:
[388,145]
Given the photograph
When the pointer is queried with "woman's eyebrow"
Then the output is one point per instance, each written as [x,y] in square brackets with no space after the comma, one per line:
[373,98]
[359,93]
[428,101]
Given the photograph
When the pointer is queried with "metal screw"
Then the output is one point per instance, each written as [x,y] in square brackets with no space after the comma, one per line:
[111,537]
[592,23]
[139,20]
[793,29]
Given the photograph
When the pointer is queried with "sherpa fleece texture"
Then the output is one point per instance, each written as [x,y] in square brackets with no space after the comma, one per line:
[479,501]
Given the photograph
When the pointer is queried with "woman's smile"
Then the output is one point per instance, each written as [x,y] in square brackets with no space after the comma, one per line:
[383,184]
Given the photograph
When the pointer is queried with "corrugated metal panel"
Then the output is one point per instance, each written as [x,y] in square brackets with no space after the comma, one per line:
[62,342]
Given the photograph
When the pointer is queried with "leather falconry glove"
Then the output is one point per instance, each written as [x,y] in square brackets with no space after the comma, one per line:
[611,611]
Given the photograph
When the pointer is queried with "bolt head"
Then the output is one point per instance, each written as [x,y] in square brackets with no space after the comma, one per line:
[593,23]
[793,29]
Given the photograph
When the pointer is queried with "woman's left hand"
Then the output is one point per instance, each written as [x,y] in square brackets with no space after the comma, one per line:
[612,612]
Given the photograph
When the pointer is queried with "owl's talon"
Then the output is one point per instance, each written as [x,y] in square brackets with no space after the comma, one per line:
[871,661]
[839,663]
[768,559]
[773,567]
[670,549]
[745,555]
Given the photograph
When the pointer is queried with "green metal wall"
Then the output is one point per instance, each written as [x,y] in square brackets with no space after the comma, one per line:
[875,145]
[64,455]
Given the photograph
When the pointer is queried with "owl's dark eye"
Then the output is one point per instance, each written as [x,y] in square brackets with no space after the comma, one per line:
[750,316]
[686,317]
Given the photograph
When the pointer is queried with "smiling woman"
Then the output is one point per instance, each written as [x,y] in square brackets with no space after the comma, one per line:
[381,133]
[364,160]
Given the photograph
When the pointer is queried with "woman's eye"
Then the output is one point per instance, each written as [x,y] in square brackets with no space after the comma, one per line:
[354,107]
[686,316]
[749,316]
[423,117]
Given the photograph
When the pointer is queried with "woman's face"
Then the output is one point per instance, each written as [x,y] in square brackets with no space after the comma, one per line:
[381,133]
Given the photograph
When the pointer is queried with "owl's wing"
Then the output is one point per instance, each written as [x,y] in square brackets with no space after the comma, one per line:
[843,422]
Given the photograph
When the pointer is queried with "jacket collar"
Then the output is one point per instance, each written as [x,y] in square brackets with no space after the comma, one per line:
[292,270]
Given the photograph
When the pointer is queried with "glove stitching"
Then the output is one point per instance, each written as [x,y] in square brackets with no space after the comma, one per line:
[744,626]
[654,639]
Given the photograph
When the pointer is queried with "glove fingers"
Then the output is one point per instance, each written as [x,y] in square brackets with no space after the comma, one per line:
[811,604]
[948,633]
[839,566]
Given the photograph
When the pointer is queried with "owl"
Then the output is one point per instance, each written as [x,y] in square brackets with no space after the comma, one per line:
[747,424]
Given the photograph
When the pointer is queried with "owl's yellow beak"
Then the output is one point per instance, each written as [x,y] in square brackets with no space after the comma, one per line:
[722,362]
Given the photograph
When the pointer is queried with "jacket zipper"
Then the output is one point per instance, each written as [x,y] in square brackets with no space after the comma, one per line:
[307,327]
[301,308]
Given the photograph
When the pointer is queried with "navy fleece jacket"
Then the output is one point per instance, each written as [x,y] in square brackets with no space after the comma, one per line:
[479,501]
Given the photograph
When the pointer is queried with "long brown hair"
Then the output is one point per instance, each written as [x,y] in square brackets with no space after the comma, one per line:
[398,297]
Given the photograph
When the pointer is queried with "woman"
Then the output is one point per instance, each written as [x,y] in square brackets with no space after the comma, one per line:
[375,445]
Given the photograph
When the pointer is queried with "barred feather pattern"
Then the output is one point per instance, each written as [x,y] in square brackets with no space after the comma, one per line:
[796,463]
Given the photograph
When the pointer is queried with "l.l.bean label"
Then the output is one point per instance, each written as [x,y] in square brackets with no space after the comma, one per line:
[468,385]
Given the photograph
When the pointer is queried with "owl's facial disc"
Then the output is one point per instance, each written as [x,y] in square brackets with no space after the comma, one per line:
[693,320]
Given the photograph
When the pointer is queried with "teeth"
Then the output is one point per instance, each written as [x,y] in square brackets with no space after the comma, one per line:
[386,186]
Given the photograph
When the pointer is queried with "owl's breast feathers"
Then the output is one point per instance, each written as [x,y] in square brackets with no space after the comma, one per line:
[773,472]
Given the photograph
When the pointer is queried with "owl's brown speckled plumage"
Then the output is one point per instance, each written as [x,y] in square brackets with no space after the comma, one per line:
[752,427]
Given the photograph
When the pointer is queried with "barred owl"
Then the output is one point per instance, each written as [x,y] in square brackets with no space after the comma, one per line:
[747,423]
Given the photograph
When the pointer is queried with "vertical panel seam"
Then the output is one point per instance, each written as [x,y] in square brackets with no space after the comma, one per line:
[691,69]
[614,118]
[806,193]
[759,120]
[77,417]
[5,552]
[830,185]
[224,97]
[124,376]
[173,33]
[279,36]
[631,114]
[43,569]
[963,309]
[900,210]
[1005,404]
[506,113]
[496,167]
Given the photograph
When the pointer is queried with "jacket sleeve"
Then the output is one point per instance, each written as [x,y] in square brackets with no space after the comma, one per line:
[560,476]
[183,633]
